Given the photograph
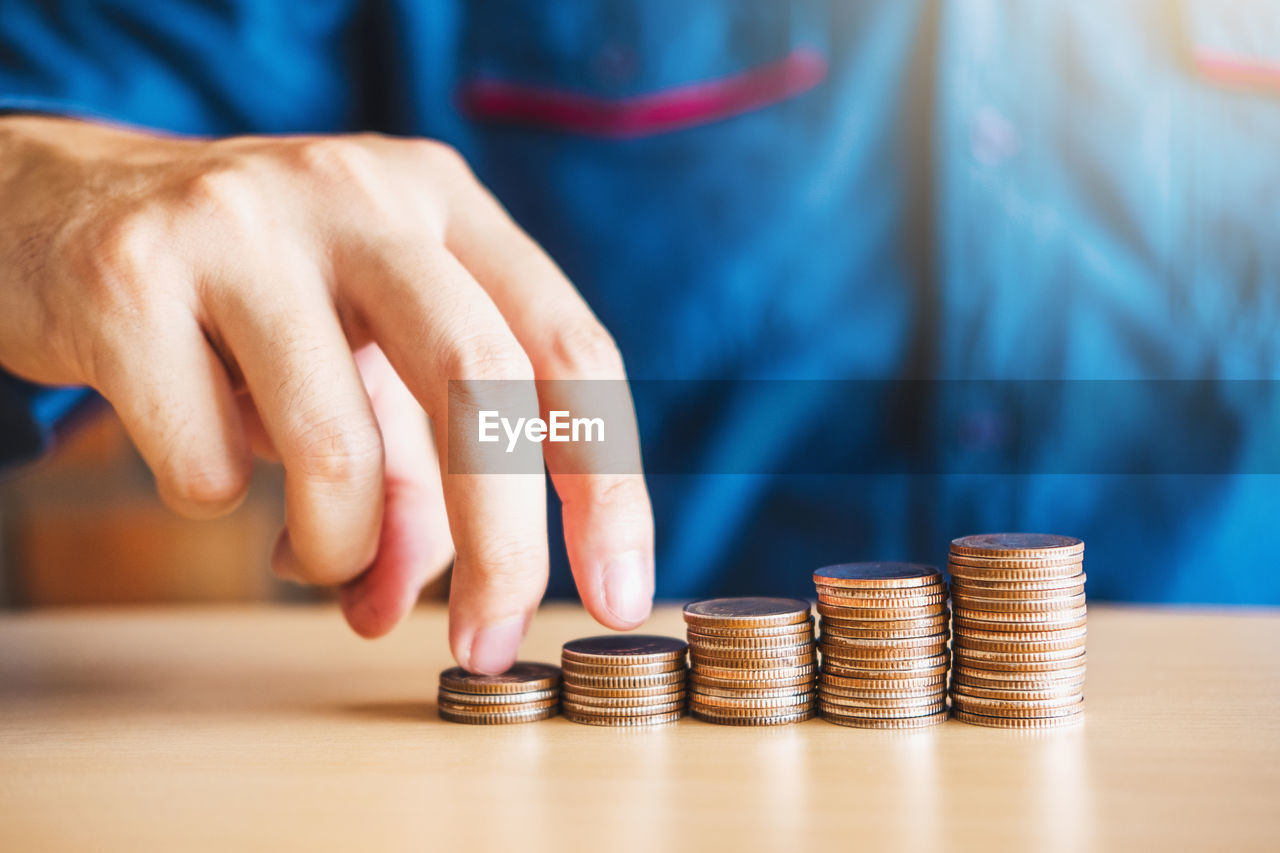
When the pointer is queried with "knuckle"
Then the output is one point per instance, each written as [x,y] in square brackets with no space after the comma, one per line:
[439,155]
[508,566]
[338,449]
[487,357]
[222,193]
[337,160]
[203,487]
[583,348]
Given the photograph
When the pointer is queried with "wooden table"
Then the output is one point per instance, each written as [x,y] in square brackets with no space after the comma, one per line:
[233,729]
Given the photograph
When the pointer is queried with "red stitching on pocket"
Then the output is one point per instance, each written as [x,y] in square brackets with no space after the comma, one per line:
[1237,71]
[671,109]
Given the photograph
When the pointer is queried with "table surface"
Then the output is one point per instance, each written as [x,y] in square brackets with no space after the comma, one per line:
[269,728]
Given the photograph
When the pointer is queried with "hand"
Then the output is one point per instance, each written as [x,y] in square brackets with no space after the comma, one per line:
[310,298]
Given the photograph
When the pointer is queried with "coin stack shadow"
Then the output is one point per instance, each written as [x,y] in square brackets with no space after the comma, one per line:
[624,680]
[752,661]
[1019,630]
[884,645]
[523,694]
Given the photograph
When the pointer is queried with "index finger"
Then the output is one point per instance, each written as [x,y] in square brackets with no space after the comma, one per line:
[608,521]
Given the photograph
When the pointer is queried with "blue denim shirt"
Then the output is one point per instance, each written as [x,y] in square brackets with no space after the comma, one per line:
[823,189]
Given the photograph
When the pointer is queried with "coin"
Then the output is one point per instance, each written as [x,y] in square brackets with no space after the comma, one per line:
[1011,545]
[828,608]
[481,710]
[963,703]
[1049,586]
[935,621]
[877,574]
[619,721]
[963,653]
[498,719]
[901,703]
[641,702]
[1020,605]
[833,663]
[1011,707]
[898,723]
[756,663]
[522,677]
[621,682]
[627,692]
[706,644]
[977,676]
[742,612]
[711,632]
[748,680]
[704,689]
[770,720]
[751,703]
[1019,722]
[827,707]
[472,699]
[926,641]
[622,710]
[887,594]
[829,690]
[975,573]
[844,599]
[1027,693]
[963,624]
[713,654]
[833,681]
[575,669]
[1002,592]
[1014,635]
[635,648]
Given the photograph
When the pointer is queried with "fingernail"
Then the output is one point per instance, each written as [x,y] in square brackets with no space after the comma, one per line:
[494,647]
[628,586]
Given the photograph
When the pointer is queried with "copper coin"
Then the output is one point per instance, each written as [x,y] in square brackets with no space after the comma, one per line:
[1019,646]
[899,723]
[1000,593]
[750,643]
[496,698]
[776,704]
[844,599]
[835,610]
[1039,635]
[1014,707]
[962,624]
[844,683]
[712,632]
[936,638]
[1018,722]
[1011,545]
[997,677]
[961,703]
[714,655]
[572,669]
[835,665]
[805,658]
[881,713]
[900,703]
[770,720]
[620,722]
[964,688]
[620,682]
[960,653]
[623,710]
[877,574]
[1013,566]
[1049,586]
[522,677]
[835,670]
[499,719]
[624,649]
[962,572]
[745,692]
[875,657]
[699,680]
[1019,666]
[1018,605]
[886,594]
[626,692]
[746,612]
[829,690]
[514,708]
[583,701]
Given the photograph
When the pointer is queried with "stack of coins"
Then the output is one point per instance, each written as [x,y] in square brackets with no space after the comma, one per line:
[884,645]
[624,680]
[1019,630]
[523,694]
[752,661]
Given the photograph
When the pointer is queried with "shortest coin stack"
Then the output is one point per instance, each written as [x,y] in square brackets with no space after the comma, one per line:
[752,661]
[523,694]
[884,645]
[1019,630]
[624,680]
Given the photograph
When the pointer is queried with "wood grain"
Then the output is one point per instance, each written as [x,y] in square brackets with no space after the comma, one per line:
[274,728]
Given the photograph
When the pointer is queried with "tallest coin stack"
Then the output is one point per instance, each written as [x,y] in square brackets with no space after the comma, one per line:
[1018,641]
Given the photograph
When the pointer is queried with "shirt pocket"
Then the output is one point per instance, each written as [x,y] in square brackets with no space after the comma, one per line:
[1229,132]
[633,68]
